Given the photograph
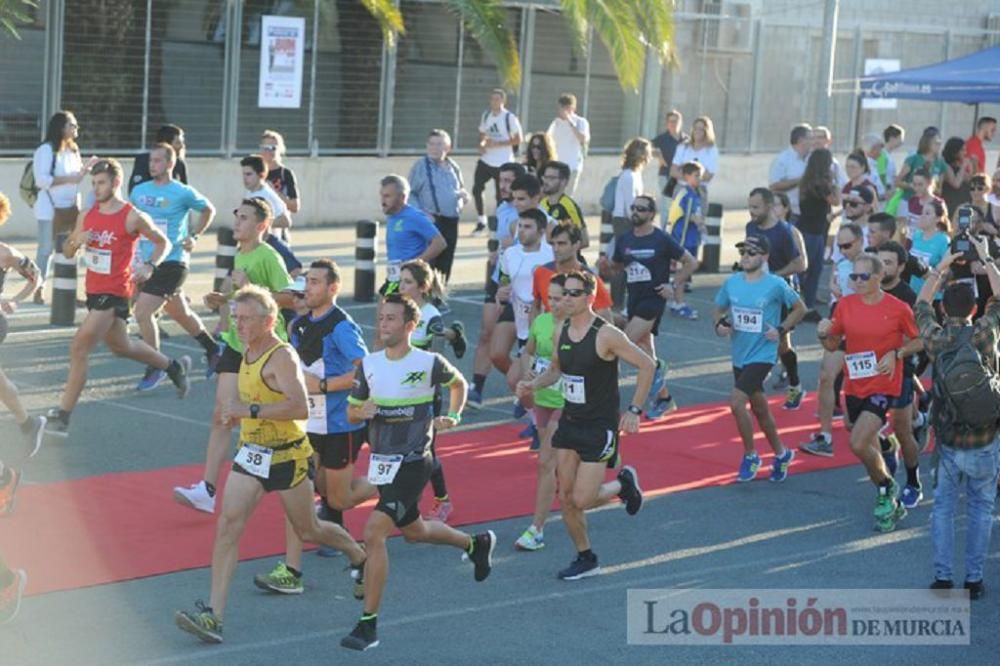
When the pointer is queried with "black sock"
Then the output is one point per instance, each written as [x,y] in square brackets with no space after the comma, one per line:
[173,370]
[333,515]
[370,618]
[588,555]
[64,416]
[884,444]
[790,361]
[437,480]
[206,341]
[295,572]
[911,476]
[479,382]
[210,487]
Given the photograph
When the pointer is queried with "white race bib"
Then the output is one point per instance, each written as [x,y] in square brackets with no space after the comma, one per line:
[574,390]
[98,260]
[636,272]
[162,223]
[540,365]
[255,459]
[317,406]
[383,469]
[748,320]
[861,365]
[922,256]
[393,271]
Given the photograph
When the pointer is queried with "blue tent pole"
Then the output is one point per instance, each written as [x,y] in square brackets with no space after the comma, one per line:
[975,118]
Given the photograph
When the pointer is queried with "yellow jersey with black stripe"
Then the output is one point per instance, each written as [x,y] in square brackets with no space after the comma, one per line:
[403,392]
[564,210]
[270,433]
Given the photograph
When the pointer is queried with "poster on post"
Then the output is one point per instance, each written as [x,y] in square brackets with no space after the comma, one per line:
[281,54]
[874,67]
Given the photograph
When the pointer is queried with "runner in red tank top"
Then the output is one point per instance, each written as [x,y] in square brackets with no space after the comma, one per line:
[109,232]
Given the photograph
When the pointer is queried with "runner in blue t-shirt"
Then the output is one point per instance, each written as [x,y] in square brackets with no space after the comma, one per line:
[645,254]
[409,233]
[749,310]
[168,203]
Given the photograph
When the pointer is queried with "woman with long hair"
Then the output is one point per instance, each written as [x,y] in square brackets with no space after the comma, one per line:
[541,150]
[279,177]
[923,192]
[932,241]
[58,170]
[958,171]
[418,281]
[699,148]
[818,195]
[635,156]
[928,156]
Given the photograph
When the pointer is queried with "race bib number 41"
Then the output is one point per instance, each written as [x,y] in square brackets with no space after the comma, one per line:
[255,459]
[382,469]
[748,320]
[861,365]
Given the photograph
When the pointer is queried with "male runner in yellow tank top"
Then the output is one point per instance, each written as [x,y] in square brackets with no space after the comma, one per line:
[274,455]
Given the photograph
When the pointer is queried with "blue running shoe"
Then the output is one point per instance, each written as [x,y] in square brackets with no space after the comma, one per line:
[474,398]
[660,407]
[519,410]
[212,360]
[659,378]
[911,496]
[779,468]
[536,441]
[748,468]
[530,431]
[151,380]
[686,312]
[580,568]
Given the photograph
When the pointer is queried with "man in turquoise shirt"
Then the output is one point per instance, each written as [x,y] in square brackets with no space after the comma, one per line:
[168,202]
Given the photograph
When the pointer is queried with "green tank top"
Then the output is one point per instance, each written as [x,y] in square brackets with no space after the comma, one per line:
[542,330]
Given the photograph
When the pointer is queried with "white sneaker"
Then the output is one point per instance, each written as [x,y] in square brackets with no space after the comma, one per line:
[195,497]
[530,539]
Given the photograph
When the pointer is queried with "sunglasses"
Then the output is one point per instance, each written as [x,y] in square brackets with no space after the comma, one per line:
[860,277]
[640,209]
[846,246]
[978,188]
[575,293]
[749,253]
[269,149]
[853,204]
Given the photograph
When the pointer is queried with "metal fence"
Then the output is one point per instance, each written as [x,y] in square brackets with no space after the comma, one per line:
[178,61]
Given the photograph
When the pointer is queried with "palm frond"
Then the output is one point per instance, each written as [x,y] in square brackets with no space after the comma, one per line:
[389,19]
[617,24]
[657,20]
[12,13]
[486,21]
[575,13]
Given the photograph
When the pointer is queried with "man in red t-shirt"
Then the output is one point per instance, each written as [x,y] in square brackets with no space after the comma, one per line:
[878,331]
[986,127]
[108,234]
[566,241]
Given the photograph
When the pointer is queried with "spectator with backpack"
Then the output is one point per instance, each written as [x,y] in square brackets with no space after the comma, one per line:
[51,185]
[499,139]
[964,413]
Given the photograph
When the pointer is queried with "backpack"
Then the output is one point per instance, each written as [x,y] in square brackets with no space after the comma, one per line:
[514,147]
[967,391]
[28,188]
[608,195]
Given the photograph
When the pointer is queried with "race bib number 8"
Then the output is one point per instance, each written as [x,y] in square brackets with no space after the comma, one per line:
[255,459]
[636,272]
[98,260]
[382,469]
[573,389]
[861,365]
[748,320]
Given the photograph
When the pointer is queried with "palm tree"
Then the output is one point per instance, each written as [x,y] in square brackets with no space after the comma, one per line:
[13,12]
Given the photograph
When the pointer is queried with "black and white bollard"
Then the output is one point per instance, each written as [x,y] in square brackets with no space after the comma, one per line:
[492,245]
[63,311]
[366,234]
[225,256]
[607,233]
[711,252]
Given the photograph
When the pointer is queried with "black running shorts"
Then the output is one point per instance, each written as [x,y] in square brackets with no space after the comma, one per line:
[285,475]
[120,305]
[649,308]
[167,279]
[400,500]
[229,361]
[750,378]
[877,404]
[337,450]
[593,442]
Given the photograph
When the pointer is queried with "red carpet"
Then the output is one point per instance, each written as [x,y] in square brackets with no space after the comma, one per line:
[122,526]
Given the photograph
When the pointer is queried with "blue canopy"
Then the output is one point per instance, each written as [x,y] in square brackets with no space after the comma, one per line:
[972,79]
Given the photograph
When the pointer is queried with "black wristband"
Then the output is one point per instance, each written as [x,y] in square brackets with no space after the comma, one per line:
[322,385]
[635,410]
[254,410]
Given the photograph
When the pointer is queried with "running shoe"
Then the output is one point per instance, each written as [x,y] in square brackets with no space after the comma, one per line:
[482,554]
[748,468]
[479,230]
[888,510]
[818,446]
[976,589]
[195,497]
[362,637]
[280,580]
[474,398]
[536,441]
[580,568]
[911,496]
[55,424]
[212,361]
[941,584]
[659,378]
[528,431]
[439,511]
[660,407]
[838,412]
[326,551]
[781,381]
[153,378]
[631,493]
[794,397]
[519,410]
[183,378]
[358,576]
[685,312]
[34,434]
[459,344]
[203,623]
[531,539]
[8,490]
[10,596]
[889,522]
[890,453]
[779,467]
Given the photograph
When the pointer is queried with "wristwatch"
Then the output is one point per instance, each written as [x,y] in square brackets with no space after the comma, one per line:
[322,385]
[254,410]
[635,410]
[781,330]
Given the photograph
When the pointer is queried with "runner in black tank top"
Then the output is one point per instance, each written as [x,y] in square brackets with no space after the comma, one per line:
[586,442]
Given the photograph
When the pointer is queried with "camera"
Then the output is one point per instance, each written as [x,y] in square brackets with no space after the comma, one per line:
[961,243]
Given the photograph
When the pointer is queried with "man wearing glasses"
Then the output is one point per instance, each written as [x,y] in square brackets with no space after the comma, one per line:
[756,309]
[586,442]
[877,330]
[850,243]
[645,253]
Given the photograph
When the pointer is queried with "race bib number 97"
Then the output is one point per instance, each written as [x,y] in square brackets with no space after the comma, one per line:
[382,469]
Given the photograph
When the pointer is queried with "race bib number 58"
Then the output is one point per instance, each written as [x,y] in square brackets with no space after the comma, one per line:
[255,460]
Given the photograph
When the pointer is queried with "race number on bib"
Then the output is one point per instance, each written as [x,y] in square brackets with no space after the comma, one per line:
[748,320]
[162,223]
[636,272]
[393,271]
[861,365]
[317,406]
[573,389]
[98,260]
[540,365]
[383,469]
[255,459]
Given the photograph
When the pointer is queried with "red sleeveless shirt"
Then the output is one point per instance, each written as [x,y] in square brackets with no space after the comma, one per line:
[109,251]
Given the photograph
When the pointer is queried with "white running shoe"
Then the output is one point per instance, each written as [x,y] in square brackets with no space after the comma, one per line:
[195,497]
[530,539]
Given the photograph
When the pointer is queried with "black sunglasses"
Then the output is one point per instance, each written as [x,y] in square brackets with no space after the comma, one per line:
[853,204]
[575,293]
[860,277]
[748,253]
[977,188]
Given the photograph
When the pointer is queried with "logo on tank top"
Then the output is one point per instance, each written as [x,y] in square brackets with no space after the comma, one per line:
[102,238]
[414,377]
